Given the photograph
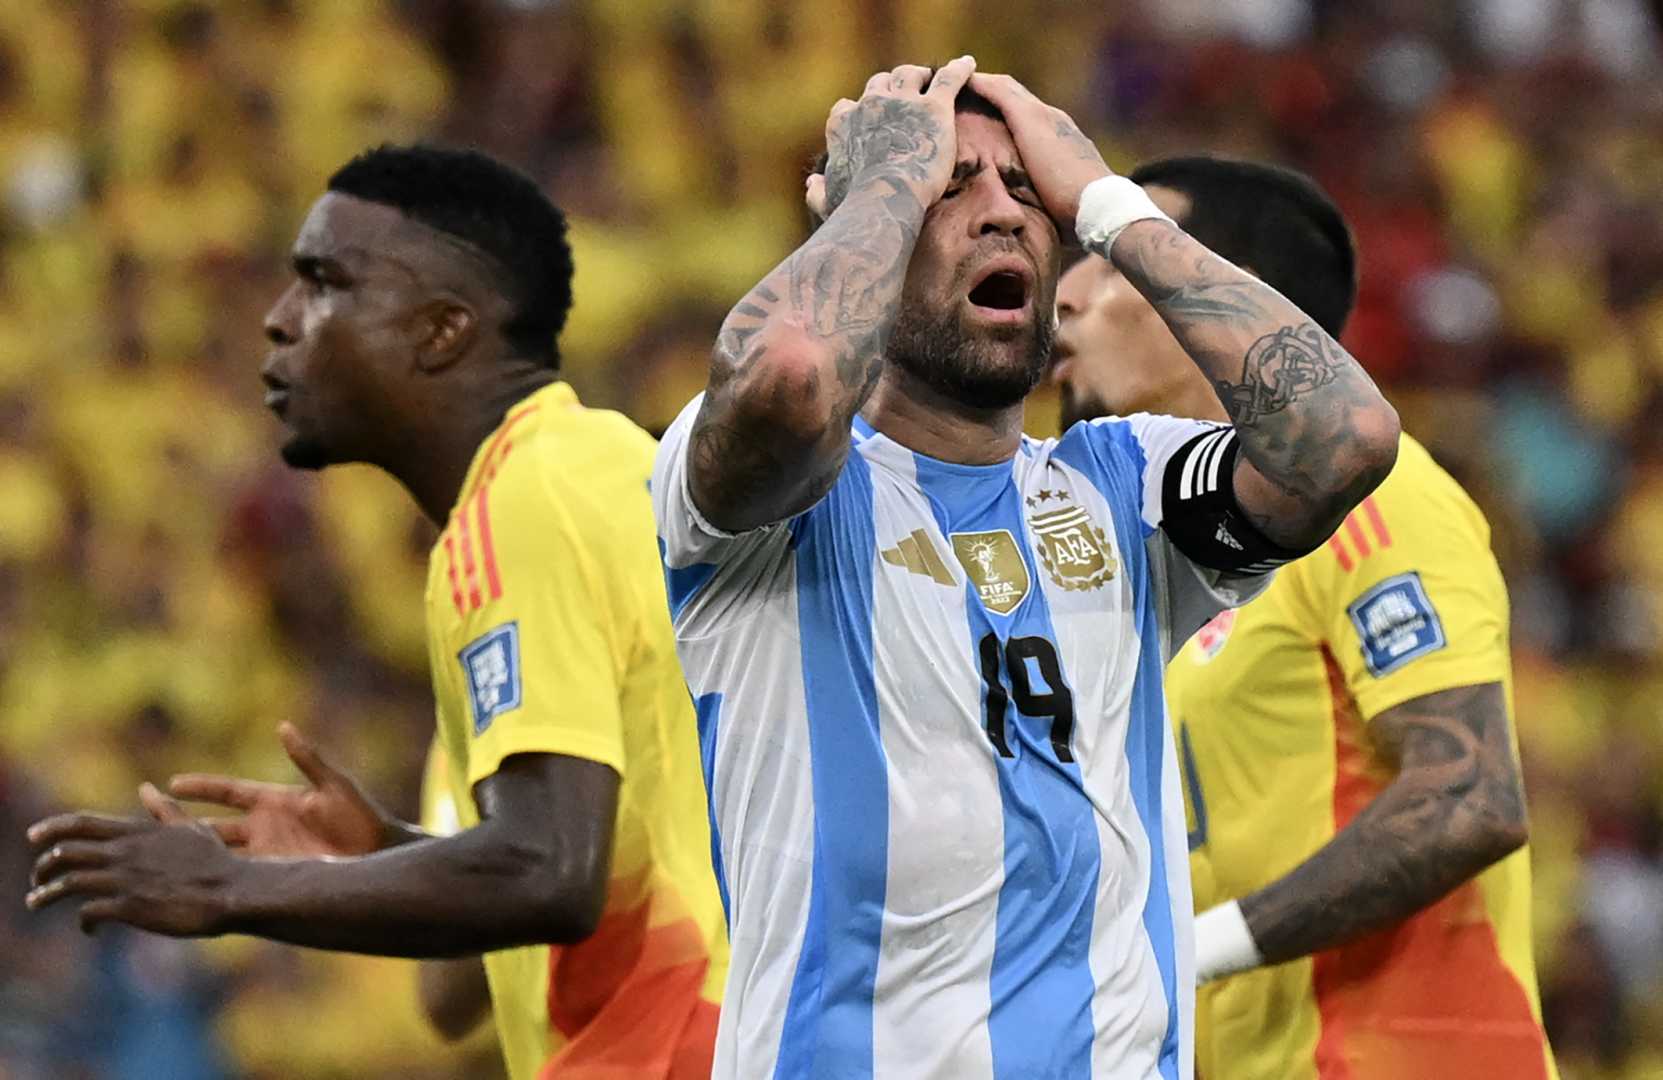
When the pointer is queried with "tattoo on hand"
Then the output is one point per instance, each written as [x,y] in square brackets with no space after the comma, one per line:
[881,135]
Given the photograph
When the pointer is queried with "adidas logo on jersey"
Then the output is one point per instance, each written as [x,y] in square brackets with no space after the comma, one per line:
[1223,536]
[917,555]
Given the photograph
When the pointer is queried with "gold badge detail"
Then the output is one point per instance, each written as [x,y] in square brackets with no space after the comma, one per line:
[918,555]
[994,563]
[1073,550]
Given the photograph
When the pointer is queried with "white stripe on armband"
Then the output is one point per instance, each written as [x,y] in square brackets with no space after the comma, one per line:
[1108,206]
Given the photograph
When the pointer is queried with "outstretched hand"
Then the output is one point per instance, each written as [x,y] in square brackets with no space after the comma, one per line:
[171,875]
[1059,159]
[330,816]
[901,128]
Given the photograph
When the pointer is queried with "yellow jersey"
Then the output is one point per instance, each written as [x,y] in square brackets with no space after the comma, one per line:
[438,805]
[1272,703]
[549,633]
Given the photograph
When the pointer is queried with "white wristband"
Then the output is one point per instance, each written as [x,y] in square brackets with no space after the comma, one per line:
[1223,943]
[1108,206]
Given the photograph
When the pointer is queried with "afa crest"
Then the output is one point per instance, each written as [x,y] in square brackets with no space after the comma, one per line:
[1074,551]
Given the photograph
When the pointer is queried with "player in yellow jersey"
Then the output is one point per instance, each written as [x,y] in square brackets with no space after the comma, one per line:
[420,336]
[1356,817]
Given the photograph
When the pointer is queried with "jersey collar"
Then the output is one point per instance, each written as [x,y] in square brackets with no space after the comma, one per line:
[556,395]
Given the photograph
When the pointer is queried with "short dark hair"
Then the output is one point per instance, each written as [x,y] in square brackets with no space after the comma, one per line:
[493,208]
[1275,222]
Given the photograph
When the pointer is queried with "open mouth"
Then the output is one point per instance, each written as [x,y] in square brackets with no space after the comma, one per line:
[1002,290]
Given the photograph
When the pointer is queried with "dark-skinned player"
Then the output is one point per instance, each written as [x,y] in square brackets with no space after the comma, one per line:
[419,335]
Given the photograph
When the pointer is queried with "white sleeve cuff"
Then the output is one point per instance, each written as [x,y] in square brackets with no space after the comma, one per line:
[1223,943]
[1109,205]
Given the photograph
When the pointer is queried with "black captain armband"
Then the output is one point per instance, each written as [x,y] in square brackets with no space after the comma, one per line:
[1199,512]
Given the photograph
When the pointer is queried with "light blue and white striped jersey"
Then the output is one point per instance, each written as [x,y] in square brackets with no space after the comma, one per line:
[944,799]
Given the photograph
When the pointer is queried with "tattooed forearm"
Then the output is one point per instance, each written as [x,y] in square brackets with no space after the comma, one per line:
[1455,807]
[799,355]
[836,295]
[1279,369]
[1315,433]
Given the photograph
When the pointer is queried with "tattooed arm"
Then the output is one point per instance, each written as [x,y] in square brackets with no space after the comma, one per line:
[1315,434]
[798,356]
[1456,806]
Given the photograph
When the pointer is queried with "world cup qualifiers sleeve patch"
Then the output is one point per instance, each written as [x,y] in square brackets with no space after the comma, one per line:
[491,664]
[1396,623]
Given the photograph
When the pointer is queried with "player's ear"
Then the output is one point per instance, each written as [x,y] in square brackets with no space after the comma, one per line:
[445,328]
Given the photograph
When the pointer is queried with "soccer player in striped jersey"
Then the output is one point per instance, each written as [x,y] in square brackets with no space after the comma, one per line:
[1357,825]
[925,650]
[420,336]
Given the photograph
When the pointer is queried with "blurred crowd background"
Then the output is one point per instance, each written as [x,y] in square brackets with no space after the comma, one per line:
[169,592]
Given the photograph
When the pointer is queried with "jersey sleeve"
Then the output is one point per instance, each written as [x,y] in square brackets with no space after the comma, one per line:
[541,659]
[713,577]
[1409,598]
[688,538]
[439,814]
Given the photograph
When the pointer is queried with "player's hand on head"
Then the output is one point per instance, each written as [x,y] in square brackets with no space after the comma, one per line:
[1058,157]
[901,130]
[330,815]
[166,873]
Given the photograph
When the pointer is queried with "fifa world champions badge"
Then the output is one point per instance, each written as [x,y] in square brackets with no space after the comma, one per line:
[996,566]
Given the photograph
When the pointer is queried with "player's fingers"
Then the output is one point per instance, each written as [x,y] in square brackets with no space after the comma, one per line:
[163,808]
[69,855]
[950,77]
[1005,92]
[306,757]
[74,883]
[95,913]
[835,121]
[909,78]
[82,826]
[815,196]
[233,831]
[220,790]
